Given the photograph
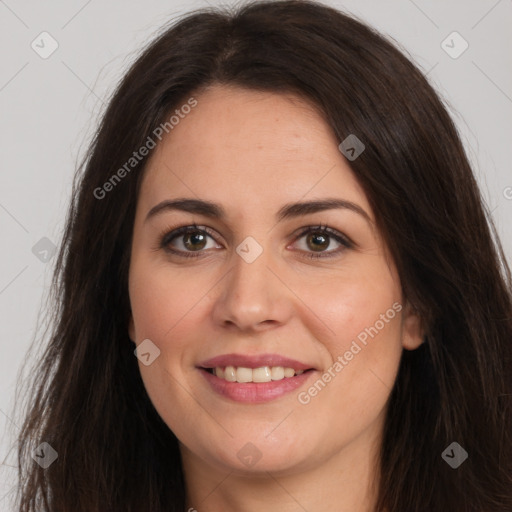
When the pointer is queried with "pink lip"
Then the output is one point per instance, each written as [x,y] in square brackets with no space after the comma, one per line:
[254,392]
[256,361]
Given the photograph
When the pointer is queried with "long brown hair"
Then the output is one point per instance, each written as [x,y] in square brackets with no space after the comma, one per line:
[87,399]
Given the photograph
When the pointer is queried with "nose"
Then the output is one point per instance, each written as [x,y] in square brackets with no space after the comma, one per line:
[253,296]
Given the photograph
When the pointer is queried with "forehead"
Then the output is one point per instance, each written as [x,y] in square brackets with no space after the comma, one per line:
[250,151]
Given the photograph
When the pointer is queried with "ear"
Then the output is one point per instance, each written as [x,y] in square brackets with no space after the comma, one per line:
[412,329]
[131,328]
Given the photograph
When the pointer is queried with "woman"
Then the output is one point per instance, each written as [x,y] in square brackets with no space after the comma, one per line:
[278,219]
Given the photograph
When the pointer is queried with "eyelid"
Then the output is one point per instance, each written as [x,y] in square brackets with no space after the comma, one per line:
[170,234]
[345,242]
[324,228]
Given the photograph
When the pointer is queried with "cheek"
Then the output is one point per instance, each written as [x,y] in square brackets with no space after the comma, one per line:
[361,344]
[363,357]
[359,303]
[163,305]
[162,300]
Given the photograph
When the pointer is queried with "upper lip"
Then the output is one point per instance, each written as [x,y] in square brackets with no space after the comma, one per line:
[254,361]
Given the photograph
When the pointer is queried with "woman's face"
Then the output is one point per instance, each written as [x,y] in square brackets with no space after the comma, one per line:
[251,301]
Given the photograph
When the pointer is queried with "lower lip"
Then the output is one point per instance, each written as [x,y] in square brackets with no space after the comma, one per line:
[255,392]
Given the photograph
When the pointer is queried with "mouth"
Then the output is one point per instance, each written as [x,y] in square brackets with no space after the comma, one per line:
[254,379]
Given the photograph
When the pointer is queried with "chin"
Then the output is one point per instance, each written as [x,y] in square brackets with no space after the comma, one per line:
[260,456]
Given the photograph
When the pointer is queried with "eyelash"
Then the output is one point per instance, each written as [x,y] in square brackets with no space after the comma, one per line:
[168,236]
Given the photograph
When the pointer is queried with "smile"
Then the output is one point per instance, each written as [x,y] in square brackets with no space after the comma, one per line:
[254,378]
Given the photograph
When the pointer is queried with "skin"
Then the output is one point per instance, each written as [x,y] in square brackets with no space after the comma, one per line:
[252,152]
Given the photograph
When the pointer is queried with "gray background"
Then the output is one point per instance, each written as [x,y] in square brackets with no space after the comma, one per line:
[50,108]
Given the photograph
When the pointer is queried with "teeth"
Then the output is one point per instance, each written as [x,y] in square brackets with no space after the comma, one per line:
[243,374]
[229,373]
[262,374]
[277,372]
[289,372]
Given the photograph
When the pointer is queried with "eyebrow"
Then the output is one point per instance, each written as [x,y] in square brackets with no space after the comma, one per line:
[288,211]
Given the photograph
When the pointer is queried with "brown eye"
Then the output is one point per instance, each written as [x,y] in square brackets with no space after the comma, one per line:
[319,238]
[194,241]
[186,240]
[190,241]
[317,241]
